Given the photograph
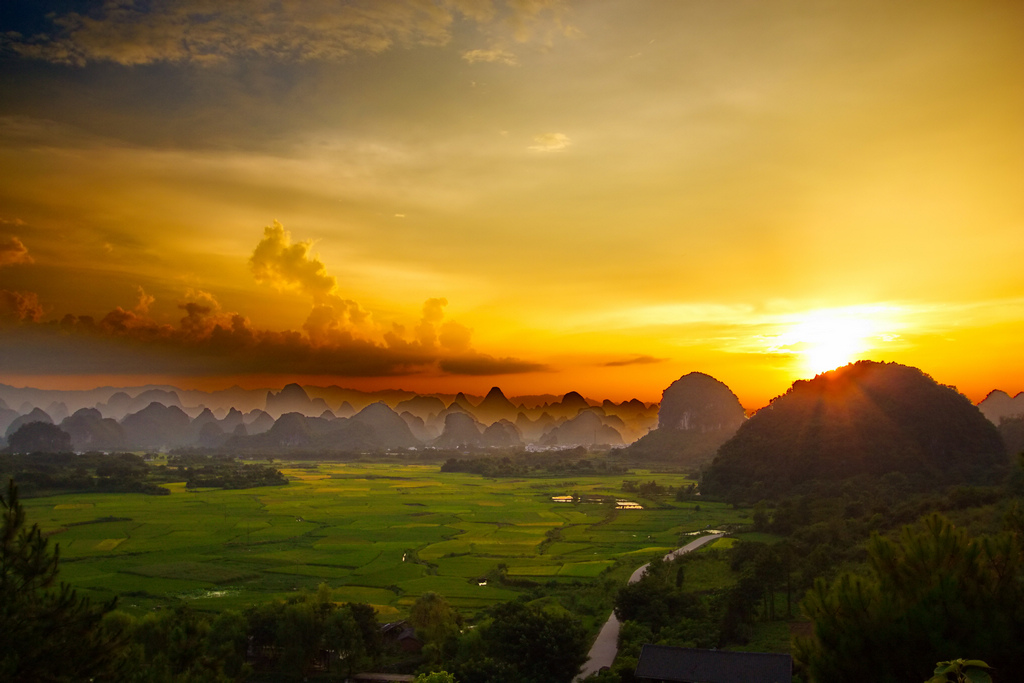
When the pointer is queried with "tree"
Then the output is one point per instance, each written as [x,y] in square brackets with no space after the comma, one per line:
[435,677]
[344,635]
[437,624]
[47,632]
[183,646]
[294,636]
[934,593]
[524,644]
[961,671]
[39,437]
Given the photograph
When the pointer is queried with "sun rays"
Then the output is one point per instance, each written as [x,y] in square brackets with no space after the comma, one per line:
[825,339]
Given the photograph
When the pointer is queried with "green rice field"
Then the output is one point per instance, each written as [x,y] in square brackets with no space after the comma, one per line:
[376,533]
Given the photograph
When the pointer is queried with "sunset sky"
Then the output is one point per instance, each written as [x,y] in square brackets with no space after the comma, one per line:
[445,195]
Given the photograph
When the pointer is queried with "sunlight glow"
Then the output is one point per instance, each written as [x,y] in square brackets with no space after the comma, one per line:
[826,339]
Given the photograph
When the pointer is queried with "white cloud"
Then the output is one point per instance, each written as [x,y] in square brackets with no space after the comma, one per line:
[550,142]
[496,56]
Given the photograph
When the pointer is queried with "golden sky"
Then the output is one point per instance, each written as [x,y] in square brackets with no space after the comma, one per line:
[445,195]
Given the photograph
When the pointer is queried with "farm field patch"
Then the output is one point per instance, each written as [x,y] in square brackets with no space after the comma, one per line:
[377,533]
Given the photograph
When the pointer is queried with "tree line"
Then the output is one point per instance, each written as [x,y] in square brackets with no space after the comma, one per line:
[66,472]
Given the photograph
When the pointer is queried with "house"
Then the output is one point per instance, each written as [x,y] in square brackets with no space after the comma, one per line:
[688,665]
[403,635]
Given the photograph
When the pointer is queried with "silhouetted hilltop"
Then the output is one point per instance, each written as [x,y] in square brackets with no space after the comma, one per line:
[460,430]
[570,405]
[150,396]
[586,429]
[998,405]
[495,407]
[501,434]
[156,427]
[389,429]
[90,431]
[627,409]
[116,406]
[295,431]
[32,415]
[421,406]
[217,416]
[232,420]
[257,422]
[865,418]
[212,435]
[201,421]
[699,402]
[290,430]
[462,401]
[418,427]
[57,411]
[335,395]
[292,399]
[39,437]
[533,430]
[697,414]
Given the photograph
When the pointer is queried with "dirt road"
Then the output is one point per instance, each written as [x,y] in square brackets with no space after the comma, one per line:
[604,649]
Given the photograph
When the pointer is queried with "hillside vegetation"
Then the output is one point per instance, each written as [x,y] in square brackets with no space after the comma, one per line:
[866,418]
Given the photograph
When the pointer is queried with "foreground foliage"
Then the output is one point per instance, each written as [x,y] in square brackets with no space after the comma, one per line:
[47,631]
[934,593]
[522,643]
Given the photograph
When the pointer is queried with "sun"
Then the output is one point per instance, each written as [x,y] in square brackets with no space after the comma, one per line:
[826,339]
[829,343]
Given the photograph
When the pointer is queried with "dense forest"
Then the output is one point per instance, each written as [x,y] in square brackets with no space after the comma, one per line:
[885,596]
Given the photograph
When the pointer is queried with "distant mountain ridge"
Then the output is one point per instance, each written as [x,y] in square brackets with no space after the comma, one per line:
[998,405]
[163,417]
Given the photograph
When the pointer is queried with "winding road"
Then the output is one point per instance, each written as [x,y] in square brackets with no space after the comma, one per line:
[604,649]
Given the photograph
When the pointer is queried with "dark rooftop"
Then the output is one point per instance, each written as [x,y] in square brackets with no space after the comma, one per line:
[687,665]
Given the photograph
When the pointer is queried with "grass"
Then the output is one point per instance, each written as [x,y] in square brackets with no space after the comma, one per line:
[377,533]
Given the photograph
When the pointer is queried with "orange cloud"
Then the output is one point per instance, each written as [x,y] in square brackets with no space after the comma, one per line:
[12,251]
[338,338]
[494,56]
[278,262]
[638,360]
[20,306]
[482,364]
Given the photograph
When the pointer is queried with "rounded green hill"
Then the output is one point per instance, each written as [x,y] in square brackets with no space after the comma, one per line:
[866,418]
